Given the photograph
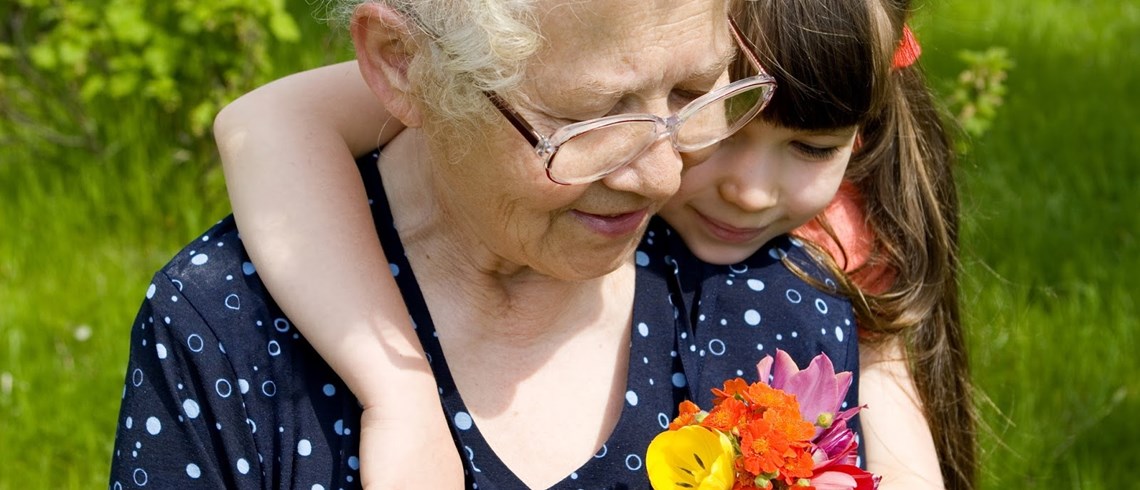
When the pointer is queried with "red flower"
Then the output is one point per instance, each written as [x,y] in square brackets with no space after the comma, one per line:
[845,477]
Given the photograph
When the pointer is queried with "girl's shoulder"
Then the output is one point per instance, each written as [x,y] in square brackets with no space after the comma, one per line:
[779,298]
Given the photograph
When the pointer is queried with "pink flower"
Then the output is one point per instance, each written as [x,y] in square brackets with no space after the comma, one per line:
[818,389]
[836,445]
[820,392]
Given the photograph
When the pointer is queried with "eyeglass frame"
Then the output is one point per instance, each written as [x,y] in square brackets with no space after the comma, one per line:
[547,146]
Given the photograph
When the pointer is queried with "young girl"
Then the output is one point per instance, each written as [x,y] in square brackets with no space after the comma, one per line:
[845,81]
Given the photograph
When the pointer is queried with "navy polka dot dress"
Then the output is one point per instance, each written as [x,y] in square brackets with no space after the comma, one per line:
[222,391]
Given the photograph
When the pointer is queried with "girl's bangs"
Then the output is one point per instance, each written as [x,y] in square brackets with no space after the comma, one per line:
[822,54]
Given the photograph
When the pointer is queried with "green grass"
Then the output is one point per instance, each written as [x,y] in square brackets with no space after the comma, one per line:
[1049,244]
[1050,238]
[83,229]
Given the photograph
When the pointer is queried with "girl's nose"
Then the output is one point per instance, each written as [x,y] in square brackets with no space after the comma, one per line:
[750,184]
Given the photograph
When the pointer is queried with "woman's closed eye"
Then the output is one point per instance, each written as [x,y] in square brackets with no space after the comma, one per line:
[679,98]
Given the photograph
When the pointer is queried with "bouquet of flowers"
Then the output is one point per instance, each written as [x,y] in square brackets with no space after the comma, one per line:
[787,433]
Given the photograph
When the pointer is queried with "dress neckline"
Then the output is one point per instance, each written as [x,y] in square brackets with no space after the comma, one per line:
[467,435]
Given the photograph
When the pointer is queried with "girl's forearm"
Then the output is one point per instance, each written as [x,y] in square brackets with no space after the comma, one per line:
[303,212]
[897,438]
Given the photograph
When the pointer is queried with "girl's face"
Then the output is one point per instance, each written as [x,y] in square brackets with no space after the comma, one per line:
[761,183]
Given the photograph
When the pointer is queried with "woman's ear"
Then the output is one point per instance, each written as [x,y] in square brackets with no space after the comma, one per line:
[384,49]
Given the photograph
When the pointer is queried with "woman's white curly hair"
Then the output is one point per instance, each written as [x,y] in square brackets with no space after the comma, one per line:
[470,46]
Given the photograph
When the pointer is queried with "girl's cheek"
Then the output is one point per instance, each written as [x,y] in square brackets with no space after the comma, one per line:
[699,179]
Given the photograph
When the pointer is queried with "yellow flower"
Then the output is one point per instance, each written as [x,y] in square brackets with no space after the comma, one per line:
[691,457]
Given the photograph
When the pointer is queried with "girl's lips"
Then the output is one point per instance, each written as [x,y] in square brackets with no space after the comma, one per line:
[612,225]
[726,232]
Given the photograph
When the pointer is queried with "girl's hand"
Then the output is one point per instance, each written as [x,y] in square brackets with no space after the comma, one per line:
[402,450]
[405,442]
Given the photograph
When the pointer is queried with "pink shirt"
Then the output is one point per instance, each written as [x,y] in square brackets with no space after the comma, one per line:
[847,219]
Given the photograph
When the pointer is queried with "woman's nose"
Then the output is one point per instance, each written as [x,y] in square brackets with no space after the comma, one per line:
[654,174]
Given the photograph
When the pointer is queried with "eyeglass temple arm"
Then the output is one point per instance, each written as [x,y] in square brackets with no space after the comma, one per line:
[746,47]
[527,132]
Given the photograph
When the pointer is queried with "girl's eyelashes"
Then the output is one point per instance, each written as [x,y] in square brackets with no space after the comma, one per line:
[815,153]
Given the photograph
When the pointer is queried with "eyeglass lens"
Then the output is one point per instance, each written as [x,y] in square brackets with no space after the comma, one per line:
[597,152]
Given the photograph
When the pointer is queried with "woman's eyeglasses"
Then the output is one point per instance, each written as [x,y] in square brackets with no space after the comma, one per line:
[586,151]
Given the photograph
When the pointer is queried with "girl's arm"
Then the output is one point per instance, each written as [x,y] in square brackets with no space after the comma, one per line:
[288,154]
[898,441]
[896,435]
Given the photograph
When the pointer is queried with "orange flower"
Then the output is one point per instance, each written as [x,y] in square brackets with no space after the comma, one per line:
[787,421]
[762,447]
[728,416]
[769,397]
[687,416]
[733,388]
[778,444]
[751,485]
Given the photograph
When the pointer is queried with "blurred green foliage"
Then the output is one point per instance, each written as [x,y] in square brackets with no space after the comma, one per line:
[63,63]
[979,90]
[106,167]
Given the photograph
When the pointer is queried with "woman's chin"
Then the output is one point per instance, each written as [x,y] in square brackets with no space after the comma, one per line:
[586,266]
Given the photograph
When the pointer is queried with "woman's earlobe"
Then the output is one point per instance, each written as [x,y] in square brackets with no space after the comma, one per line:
[385,47]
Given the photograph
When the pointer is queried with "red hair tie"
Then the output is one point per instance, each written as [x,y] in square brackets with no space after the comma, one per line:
[908,50]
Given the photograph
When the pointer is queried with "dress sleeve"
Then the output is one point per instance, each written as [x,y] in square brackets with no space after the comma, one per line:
[182,423]
[847,218]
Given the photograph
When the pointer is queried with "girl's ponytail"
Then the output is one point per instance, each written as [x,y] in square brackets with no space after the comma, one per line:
[905,174]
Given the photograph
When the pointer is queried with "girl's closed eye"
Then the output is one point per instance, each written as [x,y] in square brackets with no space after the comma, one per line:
[814,152]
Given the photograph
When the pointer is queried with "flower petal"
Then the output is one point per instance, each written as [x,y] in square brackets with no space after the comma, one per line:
[764,369]
[836,445]
[833,480]
[843,383]
[816,388]
[783,370]
[692,456]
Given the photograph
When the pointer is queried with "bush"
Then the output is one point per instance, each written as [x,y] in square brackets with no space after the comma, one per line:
[64,62]
[979,90]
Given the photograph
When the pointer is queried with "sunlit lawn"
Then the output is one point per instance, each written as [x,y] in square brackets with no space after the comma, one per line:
[1050,248]
[1050,239]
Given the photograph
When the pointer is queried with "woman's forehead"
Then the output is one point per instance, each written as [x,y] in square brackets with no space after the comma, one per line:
[602,23]
[609,47]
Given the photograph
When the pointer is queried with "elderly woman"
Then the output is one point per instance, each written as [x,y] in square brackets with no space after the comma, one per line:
[545,134]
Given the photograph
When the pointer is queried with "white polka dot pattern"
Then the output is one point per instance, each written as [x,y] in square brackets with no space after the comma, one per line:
[191,415]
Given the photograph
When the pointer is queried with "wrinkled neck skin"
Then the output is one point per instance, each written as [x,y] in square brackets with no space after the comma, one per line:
[541,361]
[474,293]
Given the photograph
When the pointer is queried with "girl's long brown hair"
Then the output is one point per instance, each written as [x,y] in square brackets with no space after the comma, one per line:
[832,61]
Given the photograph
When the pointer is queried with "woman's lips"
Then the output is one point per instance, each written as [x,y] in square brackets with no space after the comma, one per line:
[726,232]
[612,225]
